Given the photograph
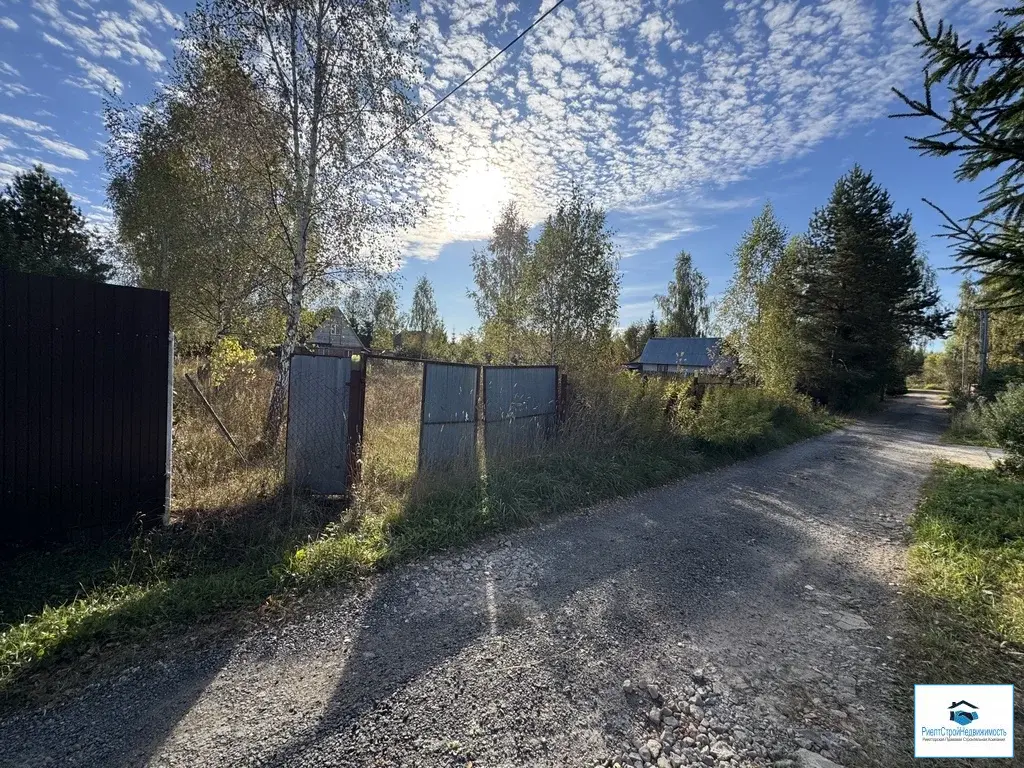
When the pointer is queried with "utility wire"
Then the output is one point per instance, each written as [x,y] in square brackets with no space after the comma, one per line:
[444,98]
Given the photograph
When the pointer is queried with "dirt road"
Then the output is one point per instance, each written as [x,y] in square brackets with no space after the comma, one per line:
[759,600]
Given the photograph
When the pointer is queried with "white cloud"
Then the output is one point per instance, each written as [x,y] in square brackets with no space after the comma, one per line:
[614,95]
[54,41]
[23,124]
[98,79]
[155,13]
[8,23]
[108,34]
[59,147]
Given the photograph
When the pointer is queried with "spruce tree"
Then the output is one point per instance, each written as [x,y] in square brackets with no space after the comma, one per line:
[976,119]
[863,293]
[42,231]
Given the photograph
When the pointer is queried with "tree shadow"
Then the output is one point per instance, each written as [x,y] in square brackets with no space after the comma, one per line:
[693,567]
[730,555]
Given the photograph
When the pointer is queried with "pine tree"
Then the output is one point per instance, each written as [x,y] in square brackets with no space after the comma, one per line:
[684,308]
[651,331]
[42,231]
[863,293]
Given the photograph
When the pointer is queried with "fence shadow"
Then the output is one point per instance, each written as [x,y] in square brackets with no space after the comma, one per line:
[663,557]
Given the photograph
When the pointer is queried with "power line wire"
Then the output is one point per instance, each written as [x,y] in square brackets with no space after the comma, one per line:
[444,98]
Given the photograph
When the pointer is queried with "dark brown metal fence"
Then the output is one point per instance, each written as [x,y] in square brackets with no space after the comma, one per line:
[85,371]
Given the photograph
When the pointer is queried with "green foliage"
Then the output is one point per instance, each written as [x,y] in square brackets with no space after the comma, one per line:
[1003,422]
[978,122]
[191,217]
[757,310]
[386,320]
[503,275]
[968,550]
[629,343]
[576,281]
[42,231]
[684,308]
[932,373]
[423,315]
[229,359]
[329,79]
[759,251]
[864,294]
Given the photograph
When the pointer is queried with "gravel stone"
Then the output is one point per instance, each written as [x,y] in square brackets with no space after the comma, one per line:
[514,651]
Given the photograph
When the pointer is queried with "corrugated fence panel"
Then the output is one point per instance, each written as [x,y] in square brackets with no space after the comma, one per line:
[448,426]
[84,404]
[521,409]
[318,394]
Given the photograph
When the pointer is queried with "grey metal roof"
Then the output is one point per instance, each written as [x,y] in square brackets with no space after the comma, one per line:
[337,332]
[682,350]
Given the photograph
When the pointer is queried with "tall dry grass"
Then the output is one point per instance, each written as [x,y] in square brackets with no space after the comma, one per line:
[240,538]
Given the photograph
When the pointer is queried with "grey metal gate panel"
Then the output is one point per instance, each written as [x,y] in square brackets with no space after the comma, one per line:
[448,424]
[520,409]
[318,395]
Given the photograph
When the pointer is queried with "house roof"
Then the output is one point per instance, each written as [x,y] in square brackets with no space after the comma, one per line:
[681,350]
[336,332]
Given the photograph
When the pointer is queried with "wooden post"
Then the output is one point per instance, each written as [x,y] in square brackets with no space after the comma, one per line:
[356,419]
[223,429]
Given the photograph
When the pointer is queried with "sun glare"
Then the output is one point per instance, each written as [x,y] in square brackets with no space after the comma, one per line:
[474,198]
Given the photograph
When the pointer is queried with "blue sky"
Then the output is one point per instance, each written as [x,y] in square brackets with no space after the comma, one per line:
[682,118]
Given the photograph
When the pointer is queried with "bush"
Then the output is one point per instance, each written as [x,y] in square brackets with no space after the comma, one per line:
[1001,378]
[1003,422]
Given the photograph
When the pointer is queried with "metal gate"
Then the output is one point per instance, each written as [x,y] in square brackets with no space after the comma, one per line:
[520,409]
[449,413]
[319,450]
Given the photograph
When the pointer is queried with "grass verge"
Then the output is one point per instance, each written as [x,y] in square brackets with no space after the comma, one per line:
[966,592]
[241,541]
[965,429]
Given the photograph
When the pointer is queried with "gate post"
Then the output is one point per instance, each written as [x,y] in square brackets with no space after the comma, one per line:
[356,417]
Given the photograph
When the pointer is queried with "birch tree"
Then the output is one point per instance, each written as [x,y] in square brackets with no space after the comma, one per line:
[684,307]
[341,76]
[501,273]
[576,279]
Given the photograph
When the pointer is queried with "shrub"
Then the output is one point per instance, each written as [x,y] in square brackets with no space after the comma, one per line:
[1003,422]
[229,359]
[1000,378]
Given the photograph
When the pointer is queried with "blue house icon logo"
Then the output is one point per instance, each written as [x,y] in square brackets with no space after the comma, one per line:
[963,712]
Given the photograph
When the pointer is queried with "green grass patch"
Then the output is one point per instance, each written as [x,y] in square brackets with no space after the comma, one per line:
[965,428]
[968,549]
[242,541]
[965,601]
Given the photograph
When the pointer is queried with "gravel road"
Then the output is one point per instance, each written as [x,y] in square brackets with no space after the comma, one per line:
[740,617]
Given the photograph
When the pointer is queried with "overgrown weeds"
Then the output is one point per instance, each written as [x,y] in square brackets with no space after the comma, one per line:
[238,538]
